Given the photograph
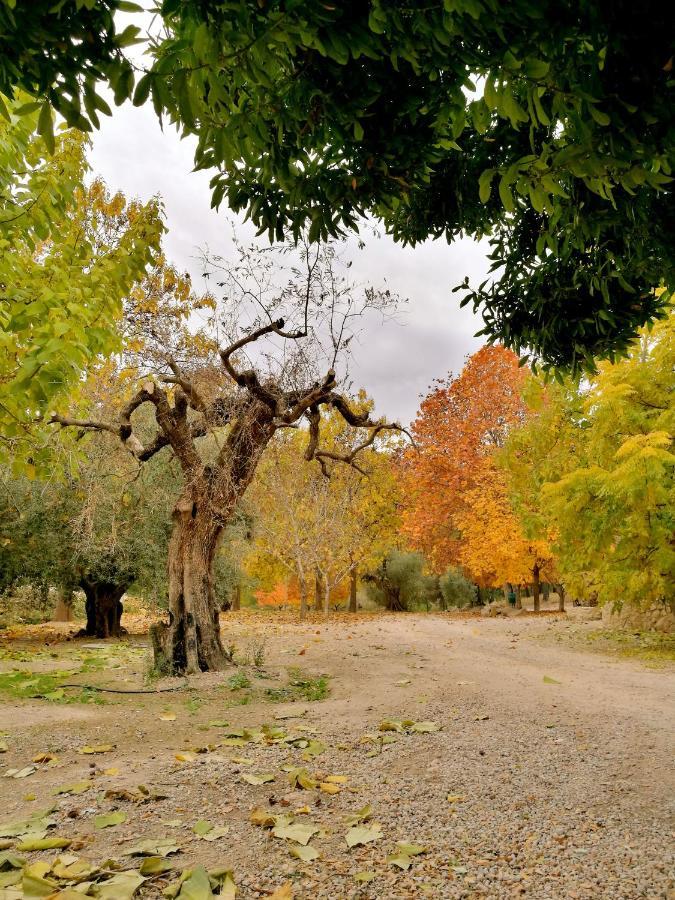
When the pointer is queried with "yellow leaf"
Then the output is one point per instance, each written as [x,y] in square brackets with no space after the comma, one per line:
[97,748]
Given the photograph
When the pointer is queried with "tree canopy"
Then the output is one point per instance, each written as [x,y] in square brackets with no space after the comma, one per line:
[548,128]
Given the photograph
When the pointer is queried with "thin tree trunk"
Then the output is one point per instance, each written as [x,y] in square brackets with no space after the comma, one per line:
[326,595]
[535,587]
[318,592]
[561,598]
[353,577]
[236,598]
[302,585]
[519,597]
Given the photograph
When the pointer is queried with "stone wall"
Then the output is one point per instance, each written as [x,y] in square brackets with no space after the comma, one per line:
[658,617]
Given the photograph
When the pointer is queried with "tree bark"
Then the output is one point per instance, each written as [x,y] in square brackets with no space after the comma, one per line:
[561,598]
[535,587]
[318,592]
[236,598]
[353,577]
[519,597]
[302,585]
[104,608]
[326,594]
[64,605]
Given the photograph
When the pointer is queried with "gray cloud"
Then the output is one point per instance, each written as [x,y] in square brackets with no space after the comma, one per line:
[395,361]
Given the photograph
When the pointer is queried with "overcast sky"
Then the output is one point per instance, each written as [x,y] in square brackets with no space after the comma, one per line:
[397,361]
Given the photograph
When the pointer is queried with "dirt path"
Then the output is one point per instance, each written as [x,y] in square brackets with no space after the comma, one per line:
[557,763]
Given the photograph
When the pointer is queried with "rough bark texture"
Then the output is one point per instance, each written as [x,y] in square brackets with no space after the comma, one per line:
[236,598]
[561,598]
[519,597]
[535,588]
[191,642]
[318,592]
[63,611]
[353,578]
[104,608]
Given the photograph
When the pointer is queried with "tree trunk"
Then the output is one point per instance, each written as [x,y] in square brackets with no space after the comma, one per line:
[104,608]
[561,598]
[64,605]
[519,597]
[302,585]
[353,578]
[326,595]
[546,590]
[318,592]
[535,587]
[236,598]
[191,643]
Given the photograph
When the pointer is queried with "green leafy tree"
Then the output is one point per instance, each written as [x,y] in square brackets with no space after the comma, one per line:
[548,128]
[614,515]
[400,584]
[69,254]
[456,590]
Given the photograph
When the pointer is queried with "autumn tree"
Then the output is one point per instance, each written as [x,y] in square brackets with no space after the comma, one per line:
[323,526]
[240,411]
[460,423]
[494,548]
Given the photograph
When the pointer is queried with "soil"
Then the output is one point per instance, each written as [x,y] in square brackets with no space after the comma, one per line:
[550,776]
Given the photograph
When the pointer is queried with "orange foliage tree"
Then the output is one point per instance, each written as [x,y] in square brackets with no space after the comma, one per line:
[461,422]
[494,549]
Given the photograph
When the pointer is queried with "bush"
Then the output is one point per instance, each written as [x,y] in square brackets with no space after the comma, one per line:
[456,590]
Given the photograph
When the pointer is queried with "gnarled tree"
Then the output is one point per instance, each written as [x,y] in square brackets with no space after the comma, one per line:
[241,413]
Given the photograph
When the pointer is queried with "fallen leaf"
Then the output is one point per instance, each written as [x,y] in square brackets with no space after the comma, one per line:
[425,727]
[549,680]
[337,779]
[301,832]
[251,778]
[97,748]
[20,773]
[153,847]
[112,771]
[262,817]
[217,832]
[285,892]
[78,788]
[329,788]
[361,815]
[44,758]
[365,877]
[29,845]
[455,798]
[403,682]
[197,886]
[363,834]
[202,827]
[300,778]
[168,716]
[109,820]
[122,886]
[4,746]
[305,853]
[154,865]
[187,756]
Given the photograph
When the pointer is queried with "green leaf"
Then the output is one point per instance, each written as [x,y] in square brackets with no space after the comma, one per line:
[549,680]
[154,865]
[45,126]
[600,117]
[142,91]
[197,886]
[506,196]
[202,827]
[485,185]
[110,820]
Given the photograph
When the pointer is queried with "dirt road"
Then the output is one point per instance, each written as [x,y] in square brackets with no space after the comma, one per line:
[550,776]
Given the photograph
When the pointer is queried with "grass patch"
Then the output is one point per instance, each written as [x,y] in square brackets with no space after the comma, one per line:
[238,681]
[39,686]
[652,647]
[300,686]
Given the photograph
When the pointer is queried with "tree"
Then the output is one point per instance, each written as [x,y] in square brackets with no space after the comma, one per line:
[103,531]
[399,582]
[69,254]
[315,115]
[461,421]
[240,411]
[494,549]
[455,589]
[318,527]
[614,511]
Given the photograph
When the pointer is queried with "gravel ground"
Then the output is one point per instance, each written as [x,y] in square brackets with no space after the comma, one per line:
[550,776]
